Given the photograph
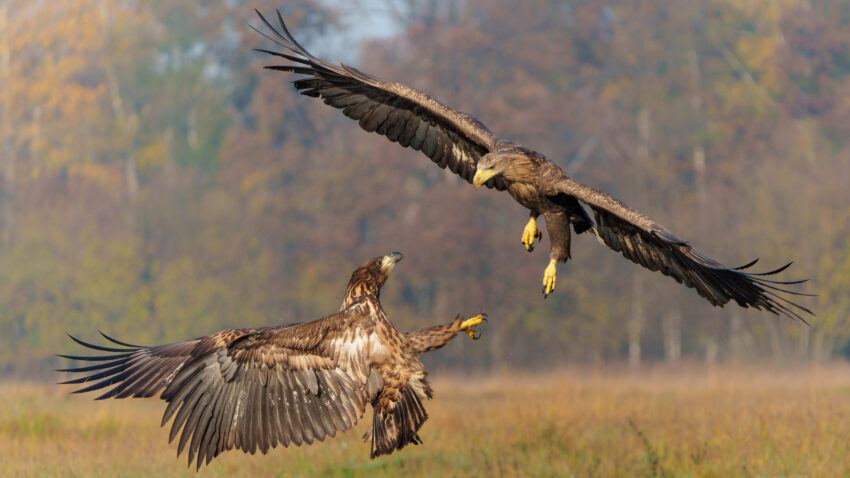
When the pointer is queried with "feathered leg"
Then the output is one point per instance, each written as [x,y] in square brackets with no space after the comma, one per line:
[432,338]
[558,224]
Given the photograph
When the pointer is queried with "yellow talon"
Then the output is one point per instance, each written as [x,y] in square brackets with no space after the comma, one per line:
[530,233]
[466,325]
[550,276]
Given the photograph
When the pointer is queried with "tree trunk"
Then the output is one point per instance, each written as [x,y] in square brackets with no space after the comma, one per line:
[711,350]
[637,321]
[671,325]
[737,340]
[698,155]
[775,343]
[7,155]
[126,121]
[803,345]
[638,308]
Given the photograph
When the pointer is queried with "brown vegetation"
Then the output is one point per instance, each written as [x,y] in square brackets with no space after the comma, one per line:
[662,421]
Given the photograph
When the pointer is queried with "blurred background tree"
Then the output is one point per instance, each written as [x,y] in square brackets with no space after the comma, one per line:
[156,183]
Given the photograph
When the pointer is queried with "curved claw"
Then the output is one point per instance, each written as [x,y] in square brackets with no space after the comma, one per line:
[467,326]
[550,278]
[530,233]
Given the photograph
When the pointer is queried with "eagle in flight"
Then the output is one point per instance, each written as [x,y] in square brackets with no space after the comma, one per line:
[460,142]
[256,388]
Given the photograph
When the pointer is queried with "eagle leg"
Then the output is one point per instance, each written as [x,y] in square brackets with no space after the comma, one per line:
[530,233]
[468,324]
[550,276]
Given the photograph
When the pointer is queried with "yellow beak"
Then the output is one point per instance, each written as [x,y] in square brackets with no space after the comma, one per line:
[481,177]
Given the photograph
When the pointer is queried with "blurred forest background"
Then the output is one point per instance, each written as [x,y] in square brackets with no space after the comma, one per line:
[157,184]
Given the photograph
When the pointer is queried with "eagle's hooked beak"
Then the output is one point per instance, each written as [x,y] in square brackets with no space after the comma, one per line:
[390,260]
[481,177]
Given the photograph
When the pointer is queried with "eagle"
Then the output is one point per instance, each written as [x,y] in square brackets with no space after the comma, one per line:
[460,142]
[253,389]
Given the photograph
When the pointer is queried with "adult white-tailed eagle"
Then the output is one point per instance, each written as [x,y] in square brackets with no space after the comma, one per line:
[253,389]
[463,144]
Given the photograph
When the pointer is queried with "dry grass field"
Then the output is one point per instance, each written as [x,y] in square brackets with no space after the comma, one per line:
[660,421]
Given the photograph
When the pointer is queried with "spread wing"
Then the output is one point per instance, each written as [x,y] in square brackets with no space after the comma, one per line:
[645,242]
[450,138]
[245,388]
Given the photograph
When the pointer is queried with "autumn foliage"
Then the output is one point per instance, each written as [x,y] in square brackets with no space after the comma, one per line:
[156,183]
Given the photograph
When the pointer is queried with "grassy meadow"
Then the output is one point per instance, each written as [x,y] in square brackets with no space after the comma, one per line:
[659,421]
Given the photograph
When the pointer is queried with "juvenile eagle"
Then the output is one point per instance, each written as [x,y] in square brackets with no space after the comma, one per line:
[460,142]
[256,388]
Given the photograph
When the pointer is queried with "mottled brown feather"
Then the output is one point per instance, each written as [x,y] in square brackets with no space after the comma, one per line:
[254,389]
[450,138]
[463,144]
[645,242]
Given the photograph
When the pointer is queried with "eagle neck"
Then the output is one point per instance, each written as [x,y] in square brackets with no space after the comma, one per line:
[354,296]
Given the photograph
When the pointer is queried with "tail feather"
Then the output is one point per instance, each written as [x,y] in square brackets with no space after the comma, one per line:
[394,430]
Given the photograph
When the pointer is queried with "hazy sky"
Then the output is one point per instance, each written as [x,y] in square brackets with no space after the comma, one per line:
[368,19]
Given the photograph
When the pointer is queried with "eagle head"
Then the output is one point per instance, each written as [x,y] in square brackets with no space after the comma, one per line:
[489,166]
[371,276]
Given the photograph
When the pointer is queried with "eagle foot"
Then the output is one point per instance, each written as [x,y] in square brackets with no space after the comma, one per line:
[466,326]
[550,277]
[530,233]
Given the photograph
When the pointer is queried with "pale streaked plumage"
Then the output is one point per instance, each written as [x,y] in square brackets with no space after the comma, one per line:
[253,389]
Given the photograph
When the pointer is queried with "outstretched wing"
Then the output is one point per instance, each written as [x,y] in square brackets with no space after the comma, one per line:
[645,242]
[245,388]
[413,119]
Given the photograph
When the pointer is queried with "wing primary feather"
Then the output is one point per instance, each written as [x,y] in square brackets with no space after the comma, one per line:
[115,341]
[263,414]
[201,437]
[775,271]
[105,383]
[134,383]
[175,401]
[273,396]
[214,441]
[95,347]
[276,42]
[291,39]
[299,430]
[95,359]
[324,415]
[198,403]
[189,406]
[747,265]
[255,428]
[309,414]
[92,368]
[227,418]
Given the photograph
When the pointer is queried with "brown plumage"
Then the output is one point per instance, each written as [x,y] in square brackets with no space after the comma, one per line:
[461,143]
[253,389]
